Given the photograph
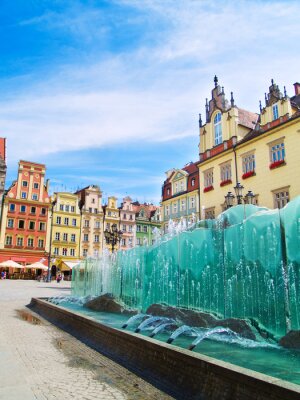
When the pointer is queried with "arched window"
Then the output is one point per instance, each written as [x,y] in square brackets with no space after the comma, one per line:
[218,129]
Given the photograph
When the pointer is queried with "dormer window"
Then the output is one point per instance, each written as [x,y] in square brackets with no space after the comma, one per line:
[218,128]
[275,112]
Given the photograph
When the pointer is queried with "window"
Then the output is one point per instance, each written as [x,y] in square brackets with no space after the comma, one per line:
[72,252]
[123,242]
[65,237]
[175,208]
[124,216]
[86,237]
[31,225]
[24,183]
[67,208]
[210,213]
[124,228]
[35,185]
[10,223]
[96,210]
[131,217]
[97,238]
[86,223]
[218,128]
[109,213]
[57,236]
[181,186]
[12,207]
[32,210]
[281,197]
[41,243]
[35,196]
[74,222]
[275,112]
[167,210]
[42,226]
[66,221]
[93,201]
[97,224]
[22,209]
[73,237]
[90,210]
[61,207]
[138,228]
[85,252]
[248,163]
[107,225]
[58,220]
[192,202]
[56,251]
[145,229]
[19,241]
[168,191]
[8,240]
[43,211]
[72,208]
[30,242]
[182,205]
[193,182]
[23,195]
[225,172]
[96,253]
[21,224]
[208,178]
[138,241]
[277,152]
[64,251]
[176,187]
[130,228]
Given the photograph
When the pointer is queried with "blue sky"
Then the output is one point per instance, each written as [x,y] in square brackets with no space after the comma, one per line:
[108,92]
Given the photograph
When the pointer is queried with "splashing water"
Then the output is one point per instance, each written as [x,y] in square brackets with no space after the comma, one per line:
[134,319]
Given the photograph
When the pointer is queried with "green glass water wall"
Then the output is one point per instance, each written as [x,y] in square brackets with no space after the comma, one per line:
[244,264]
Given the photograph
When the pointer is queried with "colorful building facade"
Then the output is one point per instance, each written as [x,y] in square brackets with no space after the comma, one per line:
[147,217]
[127,223]
[24,234]
[90,203]
[65,230]
[257,150]
[2,169]
[180,195]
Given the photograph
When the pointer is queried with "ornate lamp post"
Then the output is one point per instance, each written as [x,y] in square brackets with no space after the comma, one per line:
[113,236]
[248,199]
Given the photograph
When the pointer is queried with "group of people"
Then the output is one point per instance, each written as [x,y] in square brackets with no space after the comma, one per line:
[4,275]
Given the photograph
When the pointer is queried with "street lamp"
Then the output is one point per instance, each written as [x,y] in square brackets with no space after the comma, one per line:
[248,199]
[113,236]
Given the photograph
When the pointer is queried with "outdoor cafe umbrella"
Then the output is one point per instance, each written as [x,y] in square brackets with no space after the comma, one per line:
[11,264]
[37,265]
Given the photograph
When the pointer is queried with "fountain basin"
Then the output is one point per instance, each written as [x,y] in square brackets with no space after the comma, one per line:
[178,372]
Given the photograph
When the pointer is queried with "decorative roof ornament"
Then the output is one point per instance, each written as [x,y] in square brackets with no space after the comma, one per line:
[200,121]
[207,110]
[216,80]
[260,106]
[231,99]
[284,91]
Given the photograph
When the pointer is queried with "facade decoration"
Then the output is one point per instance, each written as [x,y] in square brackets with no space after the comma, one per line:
[241,145]
[180,194]
[91,237]
[24,225]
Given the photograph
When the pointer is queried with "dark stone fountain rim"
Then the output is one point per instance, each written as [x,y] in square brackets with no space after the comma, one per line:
[104,338]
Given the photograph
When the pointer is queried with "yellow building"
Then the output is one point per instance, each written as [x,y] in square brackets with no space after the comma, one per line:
[258,150]
[65,228]
[180,195]
[111,217]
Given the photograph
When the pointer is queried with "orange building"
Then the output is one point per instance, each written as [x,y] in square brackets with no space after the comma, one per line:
[25,216]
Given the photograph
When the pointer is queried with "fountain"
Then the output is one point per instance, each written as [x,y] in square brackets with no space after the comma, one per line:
[239,275]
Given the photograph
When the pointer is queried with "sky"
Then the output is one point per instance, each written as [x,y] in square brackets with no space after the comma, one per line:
[108,92]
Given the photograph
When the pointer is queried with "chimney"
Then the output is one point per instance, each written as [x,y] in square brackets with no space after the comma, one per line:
[297,88]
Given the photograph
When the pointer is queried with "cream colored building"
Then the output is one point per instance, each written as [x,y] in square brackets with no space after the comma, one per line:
[111,217]
[261,151]
[91,238]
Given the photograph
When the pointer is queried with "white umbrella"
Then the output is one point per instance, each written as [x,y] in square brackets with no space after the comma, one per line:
[37,265]
[11,264]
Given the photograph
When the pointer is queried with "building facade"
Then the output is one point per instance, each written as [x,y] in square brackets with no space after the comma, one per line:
[2,170]
[180,195]
[147,217]
[25,216]
[90,203]
[127,224]
[65,230]
[257,150]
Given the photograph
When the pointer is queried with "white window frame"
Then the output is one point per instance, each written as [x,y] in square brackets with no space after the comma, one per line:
[218,128]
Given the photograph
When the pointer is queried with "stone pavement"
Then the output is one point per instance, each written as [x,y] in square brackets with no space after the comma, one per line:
[40,362]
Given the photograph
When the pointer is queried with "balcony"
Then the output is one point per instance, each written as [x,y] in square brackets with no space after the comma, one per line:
[209,153]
